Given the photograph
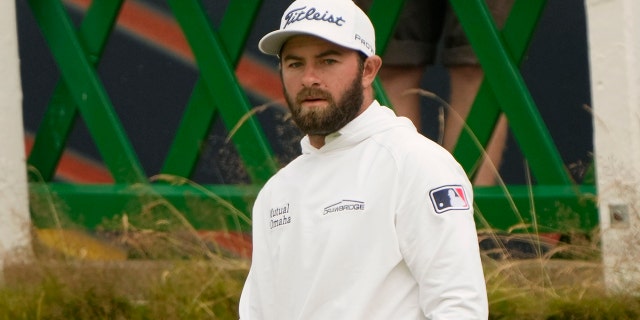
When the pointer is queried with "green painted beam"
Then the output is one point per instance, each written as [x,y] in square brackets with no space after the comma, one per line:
[214,207]
[211,207]
[235,26]
[196,122]
[517,33]
[62,112]
[87,92]
[201,111]
[557,208]
[511,92]
[384,16]
[553,204]
[219,77]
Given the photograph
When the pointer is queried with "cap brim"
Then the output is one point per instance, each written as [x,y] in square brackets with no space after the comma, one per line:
[273,41]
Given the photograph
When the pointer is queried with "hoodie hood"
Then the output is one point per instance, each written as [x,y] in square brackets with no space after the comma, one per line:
[374,120]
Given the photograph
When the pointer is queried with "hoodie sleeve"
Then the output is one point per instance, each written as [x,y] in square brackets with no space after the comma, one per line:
[251,306]
[438,237]
[244,308]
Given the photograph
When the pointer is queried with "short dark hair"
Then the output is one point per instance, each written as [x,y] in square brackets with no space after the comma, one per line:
[363,58]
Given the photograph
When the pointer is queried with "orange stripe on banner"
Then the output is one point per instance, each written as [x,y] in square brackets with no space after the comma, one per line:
[236,242]
[74,167]
[162,31]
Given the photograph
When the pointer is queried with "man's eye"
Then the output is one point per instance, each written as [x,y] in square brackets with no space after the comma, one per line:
[329,61]
[294,65]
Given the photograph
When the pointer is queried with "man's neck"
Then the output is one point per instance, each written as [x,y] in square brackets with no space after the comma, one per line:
[317,141]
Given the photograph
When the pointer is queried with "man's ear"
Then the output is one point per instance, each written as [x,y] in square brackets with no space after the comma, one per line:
[371,67]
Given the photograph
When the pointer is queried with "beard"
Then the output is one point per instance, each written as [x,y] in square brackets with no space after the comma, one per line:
[325,120]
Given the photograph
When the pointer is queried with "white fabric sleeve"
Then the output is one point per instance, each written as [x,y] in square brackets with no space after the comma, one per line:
[250,306]
[440,248]
[244,310]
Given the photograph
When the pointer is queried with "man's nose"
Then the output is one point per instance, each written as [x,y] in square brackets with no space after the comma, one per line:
[310,76]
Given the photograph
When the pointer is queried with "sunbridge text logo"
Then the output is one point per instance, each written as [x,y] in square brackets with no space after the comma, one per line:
[344,206]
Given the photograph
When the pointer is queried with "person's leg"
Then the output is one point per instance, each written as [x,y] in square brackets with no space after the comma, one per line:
[465,82]
[396,80]
[466,75]
[488,174]
[411,48]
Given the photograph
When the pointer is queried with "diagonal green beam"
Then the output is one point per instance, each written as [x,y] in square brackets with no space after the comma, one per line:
[86,91]
[61,113]
[219,77]
[235,26]
[510,91]
[384,16]
[194,126]
[517,33]
[201,110]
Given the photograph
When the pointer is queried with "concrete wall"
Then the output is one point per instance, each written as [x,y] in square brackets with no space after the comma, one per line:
[614,42]
[14,209]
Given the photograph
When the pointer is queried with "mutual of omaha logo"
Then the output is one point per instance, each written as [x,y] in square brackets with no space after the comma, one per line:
[279,216]
[447,198]
[344,206]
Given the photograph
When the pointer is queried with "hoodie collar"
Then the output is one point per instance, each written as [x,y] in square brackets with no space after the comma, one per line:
[374,119]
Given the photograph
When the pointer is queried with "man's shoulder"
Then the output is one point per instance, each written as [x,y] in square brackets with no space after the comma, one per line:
[404,139]
[287,169]
[411,150]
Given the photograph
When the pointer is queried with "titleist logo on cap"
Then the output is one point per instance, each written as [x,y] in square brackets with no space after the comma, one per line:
[300,14]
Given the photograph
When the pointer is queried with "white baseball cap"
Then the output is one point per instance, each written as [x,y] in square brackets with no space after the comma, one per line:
[339,21]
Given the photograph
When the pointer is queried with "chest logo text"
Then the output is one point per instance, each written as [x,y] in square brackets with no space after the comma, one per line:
[279,216]
[344,206]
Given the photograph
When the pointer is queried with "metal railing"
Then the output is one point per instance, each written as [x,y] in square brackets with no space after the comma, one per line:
[554,202]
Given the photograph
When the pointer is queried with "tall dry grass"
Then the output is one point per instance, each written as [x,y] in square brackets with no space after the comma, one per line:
[169,271]
[166,277]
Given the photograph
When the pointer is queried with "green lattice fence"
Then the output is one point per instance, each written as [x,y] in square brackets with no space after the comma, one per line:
[558,202]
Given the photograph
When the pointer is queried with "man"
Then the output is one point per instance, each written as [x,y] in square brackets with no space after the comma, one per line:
[361,225]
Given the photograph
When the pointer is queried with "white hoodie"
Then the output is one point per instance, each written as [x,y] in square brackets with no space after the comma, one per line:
[376,224]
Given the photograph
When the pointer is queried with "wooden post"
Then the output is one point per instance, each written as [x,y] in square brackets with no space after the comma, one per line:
[15,239]
[614,44]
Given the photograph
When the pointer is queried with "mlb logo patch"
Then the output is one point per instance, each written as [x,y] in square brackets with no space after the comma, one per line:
[447,198]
